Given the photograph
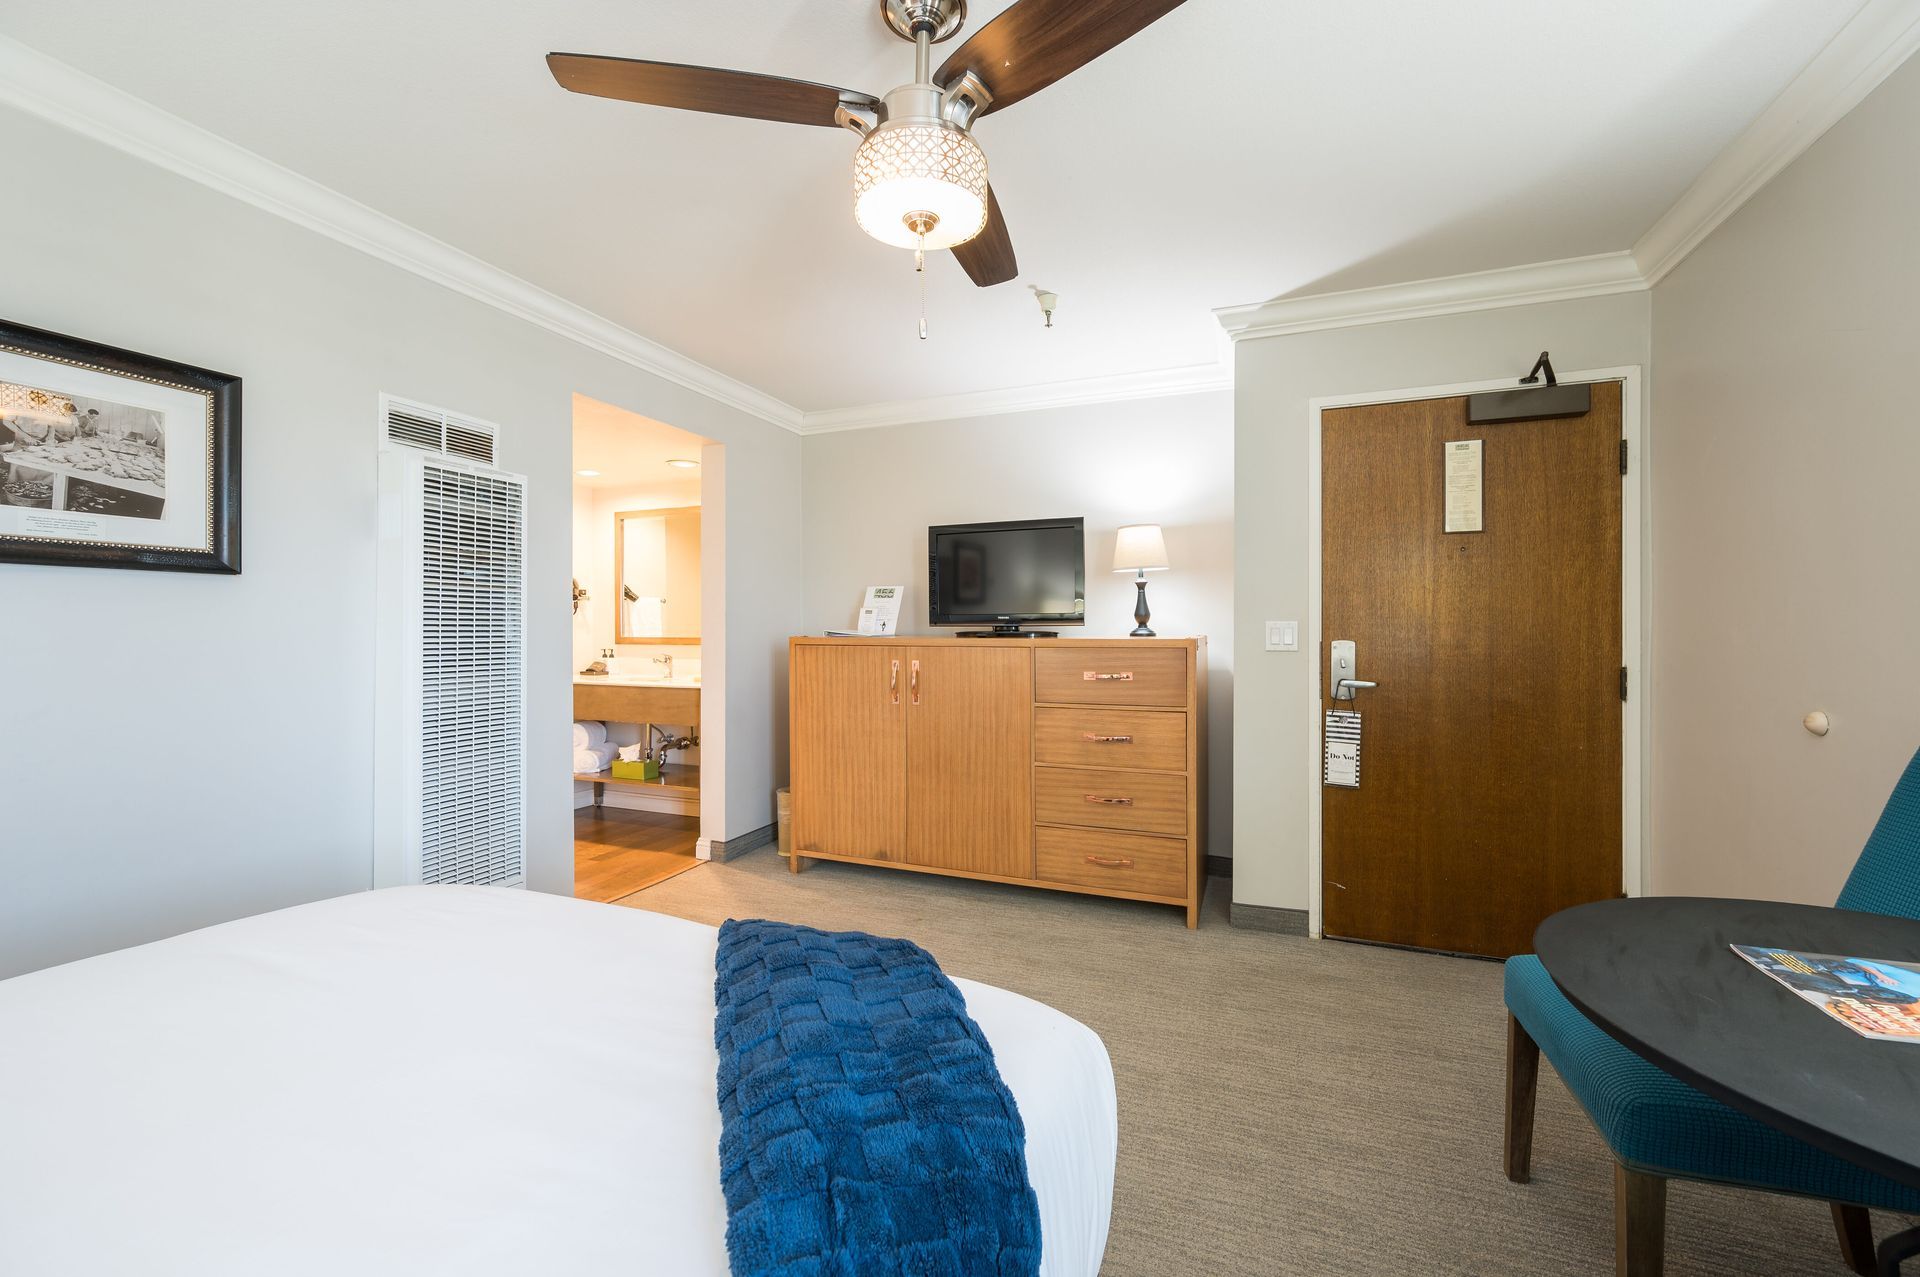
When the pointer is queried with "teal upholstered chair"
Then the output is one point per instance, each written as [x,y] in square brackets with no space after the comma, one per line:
[1659,1128]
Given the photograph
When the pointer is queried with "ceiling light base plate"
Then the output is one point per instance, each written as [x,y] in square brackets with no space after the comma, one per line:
[905,17]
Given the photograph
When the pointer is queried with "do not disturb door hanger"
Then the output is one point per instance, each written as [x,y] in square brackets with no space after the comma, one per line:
[1342,736]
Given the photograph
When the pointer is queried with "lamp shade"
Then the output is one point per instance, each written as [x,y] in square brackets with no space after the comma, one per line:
[1140,548]
[34,405]
[915,178]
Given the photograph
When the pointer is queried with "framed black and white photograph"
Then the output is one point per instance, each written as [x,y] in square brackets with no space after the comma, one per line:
[110,458]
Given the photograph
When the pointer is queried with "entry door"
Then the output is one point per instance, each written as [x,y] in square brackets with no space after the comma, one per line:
[1489,780]
[970,757]
[850,749]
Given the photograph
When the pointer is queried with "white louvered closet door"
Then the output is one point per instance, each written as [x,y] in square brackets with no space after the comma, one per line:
[472,695]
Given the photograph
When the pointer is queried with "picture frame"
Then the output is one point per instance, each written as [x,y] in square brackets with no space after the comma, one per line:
[114,459]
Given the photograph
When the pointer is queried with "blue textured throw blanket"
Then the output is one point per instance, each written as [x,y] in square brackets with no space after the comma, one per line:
[864,1127]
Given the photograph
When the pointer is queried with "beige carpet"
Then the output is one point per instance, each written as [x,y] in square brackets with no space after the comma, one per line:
[1286,1105]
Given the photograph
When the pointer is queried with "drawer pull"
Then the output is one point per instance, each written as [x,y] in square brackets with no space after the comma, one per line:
[1112,862]
[1091,676]
[1097,739]
[1109,802]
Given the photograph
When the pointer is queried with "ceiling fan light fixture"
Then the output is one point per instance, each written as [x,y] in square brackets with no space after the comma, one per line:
[34,405]
[911,176]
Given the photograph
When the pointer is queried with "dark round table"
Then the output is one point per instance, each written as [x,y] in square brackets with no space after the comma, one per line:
[1657,974]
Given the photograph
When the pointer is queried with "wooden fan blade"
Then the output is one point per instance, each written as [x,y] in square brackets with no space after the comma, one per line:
[708,89]
[988,257]
[1037,42]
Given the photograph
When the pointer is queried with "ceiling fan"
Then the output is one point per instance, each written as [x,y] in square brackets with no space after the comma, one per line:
[919,178]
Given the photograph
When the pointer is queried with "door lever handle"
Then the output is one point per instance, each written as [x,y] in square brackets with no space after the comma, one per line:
[1343,687]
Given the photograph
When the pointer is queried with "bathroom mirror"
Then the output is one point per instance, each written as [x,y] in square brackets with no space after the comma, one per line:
[656,565]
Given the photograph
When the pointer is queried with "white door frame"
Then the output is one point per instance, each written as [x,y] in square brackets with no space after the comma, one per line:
[1635,602]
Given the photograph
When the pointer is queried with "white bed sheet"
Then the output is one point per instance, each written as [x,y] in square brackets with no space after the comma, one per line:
[430,1080]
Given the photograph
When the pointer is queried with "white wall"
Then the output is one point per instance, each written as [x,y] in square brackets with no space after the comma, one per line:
[1274,379]
[1786,499]
[177,749]
[871,495]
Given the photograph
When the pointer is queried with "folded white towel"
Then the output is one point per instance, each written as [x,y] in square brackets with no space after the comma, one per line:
[587,735]
[595,759]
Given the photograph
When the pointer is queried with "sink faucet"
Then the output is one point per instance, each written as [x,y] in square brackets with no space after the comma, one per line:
[665,663]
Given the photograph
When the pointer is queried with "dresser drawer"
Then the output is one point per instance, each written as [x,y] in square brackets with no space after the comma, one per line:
[1148,739]
[1120,862]
[1116,675]
[1150,802]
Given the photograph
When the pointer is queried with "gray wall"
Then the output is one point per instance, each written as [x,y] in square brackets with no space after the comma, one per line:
[1274,379]
[871,494]
[177,750]
[1788,502]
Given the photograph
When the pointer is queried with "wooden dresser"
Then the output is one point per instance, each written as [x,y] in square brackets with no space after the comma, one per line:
[1071,764]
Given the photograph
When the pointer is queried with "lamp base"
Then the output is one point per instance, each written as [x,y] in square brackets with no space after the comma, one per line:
[1140,614]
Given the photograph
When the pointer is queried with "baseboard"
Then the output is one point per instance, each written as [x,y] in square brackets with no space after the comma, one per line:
[1285,922]
[1219,866]
[732,848]
[632,800]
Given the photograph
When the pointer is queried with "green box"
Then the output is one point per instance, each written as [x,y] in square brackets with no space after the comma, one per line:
[645,769]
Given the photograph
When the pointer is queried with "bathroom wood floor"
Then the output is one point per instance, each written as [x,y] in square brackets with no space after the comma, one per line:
[618,852]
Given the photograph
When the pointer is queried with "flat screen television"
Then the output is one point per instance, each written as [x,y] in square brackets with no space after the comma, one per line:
[1007,575]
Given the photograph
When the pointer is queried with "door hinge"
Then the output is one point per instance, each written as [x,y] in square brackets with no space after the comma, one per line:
[1623,456]
[1623,682]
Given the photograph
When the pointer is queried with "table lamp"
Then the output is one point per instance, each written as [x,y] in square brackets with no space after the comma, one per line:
[1140,548]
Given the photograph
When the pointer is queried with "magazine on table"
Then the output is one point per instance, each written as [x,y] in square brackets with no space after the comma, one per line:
[1875,997]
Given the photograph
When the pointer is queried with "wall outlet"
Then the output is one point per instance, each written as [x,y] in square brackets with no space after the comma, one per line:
[1283,636]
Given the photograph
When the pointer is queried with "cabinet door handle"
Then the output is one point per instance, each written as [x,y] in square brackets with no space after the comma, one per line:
[893,683]
[1111,862]
[913,681]
[1109,802]
[1097,739]
[1093,676]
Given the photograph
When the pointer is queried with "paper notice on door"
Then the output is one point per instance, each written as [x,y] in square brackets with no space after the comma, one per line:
[1465,485]
[1343,748]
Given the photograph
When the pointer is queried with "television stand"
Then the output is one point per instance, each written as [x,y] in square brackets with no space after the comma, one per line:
[1008,631]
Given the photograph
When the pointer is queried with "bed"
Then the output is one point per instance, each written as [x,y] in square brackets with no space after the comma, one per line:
[430,1080]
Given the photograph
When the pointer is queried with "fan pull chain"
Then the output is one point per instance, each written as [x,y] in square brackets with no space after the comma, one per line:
[920,268]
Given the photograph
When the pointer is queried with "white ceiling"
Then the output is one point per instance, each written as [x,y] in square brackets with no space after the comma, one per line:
[1233,152]
[630,450]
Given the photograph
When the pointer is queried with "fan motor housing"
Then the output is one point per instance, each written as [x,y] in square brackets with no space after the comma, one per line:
[940,19]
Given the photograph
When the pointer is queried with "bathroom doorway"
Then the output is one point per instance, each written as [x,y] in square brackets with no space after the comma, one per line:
[639,648]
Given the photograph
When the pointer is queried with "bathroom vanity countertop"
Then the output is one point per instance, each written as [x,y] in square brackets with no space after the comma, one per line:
[618,699]
[633,680]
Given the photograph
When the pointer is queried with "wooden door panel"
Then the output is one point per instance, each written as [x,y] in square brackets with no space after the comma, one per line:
[1491,751]
[970,759]
[849,762]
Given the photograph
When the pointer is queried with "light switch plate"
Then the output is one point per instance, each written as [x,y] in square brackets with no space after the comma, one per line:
[1283,636]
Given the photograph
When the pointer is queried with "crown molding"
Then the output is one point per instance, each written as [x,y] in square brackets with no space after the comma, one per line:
[1194,380]
[1869,48]
[38,85]
[1573,277]
[1854,63]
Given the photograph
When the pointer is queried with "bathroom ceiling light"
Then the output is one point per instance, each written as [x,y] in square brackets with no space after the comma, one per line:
[682,463]
[588,474]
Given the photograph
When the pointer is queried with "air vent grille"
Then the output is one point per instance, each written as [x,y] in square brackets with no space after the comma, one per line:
[413,425]
[472,659]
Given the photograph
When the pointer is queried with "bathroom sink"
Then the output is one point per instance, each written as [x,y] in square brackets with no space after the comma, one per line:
[635,680]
